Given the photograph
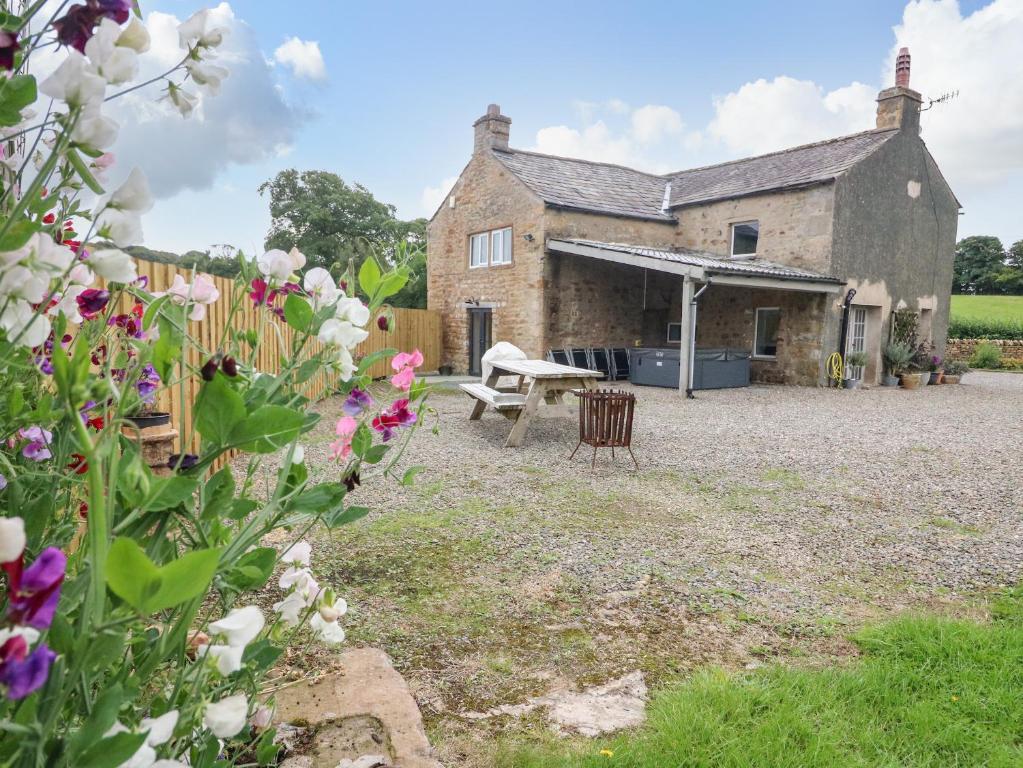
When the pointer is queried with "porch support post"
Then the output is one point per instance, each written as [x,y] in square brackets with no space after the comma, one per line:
[685,350]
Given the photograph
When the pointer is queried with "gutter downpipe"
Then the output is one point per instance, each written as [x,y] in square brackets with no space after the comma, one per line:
[849,296]
[692,338]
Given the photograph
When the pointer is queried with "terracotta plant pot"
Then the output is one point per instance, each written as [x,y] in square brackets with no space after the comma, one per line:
[936,377]
[948,378]
[911,380]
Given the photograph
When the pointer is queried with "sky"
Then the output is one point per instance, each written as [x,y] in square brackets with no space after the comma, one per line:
[385,94]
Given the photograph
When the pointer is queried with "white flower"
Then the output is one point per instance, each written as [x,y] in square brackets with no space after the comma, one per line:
[124,228]
[302,582]
[207,74]
[334,610]
[20,282]
[134,36]
[321,287]
[81,275]
[344,364]
[228,658]
[113,265]
[114,63]
[201,293]
[12,538]
[299,552]
[133,195]
[19,319]
[169,764]
[278,265]
[72,82]
[30,634]
[240,627]
[341,333]
[68,304]
[160,728]
[291,608]
[226,717]
[298,455]
[93,130]
[50,255]
[353,311]
[196,30]
[328,631]
[182,99]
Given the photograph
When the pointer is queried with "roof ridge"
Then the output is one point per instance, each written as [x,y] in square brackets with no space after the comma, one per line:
[512,150]
[781,151]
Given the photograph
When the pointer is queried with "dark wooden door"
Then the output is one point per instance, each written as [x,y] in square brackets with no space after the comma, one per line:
[480,323]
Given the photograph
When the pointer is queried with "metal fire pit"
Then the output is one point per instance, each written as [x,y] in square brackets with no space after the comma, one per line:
[605,421]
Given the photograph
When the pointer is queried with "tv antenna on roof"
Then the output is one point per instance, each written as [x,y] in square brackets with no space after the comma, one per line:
[942,99]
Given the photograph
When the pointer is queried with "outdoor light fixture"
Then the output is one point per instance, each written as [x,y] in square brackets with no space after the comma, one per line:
[528,237]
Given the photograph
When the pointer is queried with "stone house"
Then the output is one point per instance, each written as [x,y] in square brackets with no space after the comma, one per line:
[551,252]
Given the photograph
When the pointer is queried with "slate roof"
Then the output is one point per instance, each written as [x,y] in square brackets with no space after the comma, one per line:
[584,185]
[711,263]
[619,191]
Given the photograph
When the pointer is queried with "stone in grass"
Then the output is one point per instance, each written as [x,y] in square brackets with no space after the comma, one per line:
[361,718]
[610,707]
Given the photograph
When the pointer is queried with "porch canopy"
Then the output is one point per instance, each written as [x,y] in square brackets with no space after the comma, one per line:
[693,267]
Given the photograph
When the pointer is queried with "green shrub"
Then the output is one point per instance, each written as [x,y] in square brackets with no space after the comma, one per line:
[962,328]
[986,356]
[897,355]
[956,368]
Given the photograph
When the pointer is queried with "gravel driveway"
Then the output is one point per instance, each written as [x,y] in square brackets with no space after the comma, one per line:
[763,523]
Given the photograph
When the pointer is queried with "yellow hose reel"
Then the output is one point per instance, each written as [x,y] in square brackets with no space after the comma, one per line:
[836,367]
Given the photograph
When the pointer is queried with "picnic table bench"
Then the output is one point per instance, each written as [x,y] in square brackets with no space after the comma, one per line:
[543,381]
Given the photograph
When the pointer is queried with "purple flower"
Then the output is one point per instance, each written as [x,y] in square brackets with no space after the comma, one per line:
[182,461]
[75,28]
[8,47]
[35,591]
[389,420]
[38,441]
[3,482]
[22,672]
[357,402]
[148,383]
[92,301]
[118,10]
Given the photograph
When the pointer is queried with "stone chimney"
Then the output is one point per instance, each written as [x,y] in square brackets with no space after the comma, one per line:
[491,130]
[899,107]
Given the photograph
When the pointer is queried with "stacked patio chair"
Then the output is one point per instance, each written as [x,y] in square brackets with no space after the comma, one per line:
[613,363]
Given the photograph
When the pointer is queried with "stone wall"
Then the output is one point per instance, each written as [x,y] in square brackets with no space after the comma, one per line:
[487,197]
[962,349]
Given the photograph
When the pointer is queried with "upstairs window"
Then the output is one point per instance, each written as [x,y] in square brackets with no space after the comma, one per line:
[478,252]
[765,337]
[492,248]
[744,238]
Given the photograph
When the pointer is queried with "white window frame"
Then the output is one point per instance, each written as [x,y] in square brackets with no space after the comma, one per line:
[678,326]
[731,247]
[484,239]
[498,236]
[859,323]
[756,328]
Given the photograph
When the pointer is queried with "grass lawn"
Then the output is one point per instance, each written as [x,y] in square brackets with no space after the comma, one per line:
[925,692]
[1000,308]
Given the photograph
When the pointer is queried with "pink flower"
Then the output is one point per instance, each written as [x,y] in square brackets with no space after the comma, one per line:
[342,447]
[391,419]
[200,293]
[405,364]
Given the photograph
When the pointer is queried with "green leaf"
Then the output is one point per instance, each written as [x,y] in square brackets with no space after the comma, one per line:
[168,492]
[240,508]
[369,276]
[103,715]
[253,569]
[373,357]
[261,654]
[218,494]
[267,748]
[18,234]
[362,440]
[319,498]
[343,517]
[218,410]
[268,429]
[133,577]
[375,453]
[307,370]
[392,283]
[297,312]
[167,350]
[409,477]
[111,751]
[16,93]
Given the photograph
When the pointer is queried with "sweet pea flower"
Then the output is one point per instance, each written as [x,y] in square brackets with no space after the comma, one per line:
[343,364]
[352,310]
[22,672]
[134,36]
[23,323]
[181,99]
[290,609]
[12,539]
[133,195]
[341,333]
[356,402]
[9,45]
[396,416]
[262,718]
[328,631]
[342,447]
[196,29]
[299,552]
[225,718]
[279,266]
[33,592]
[158,731]
[226,658]
[405,364]
[94,131]
[302,582]
[113,265]
[91,301]
[201,293]
[39,439]
[113,62]
[321,287]
[239,627]
[19,282]
[209,75]
[74,82]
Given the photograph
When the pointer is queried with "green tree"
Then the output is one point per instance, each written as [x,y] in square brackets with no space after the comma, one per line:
[978,261]
[336,225]
[1010,277]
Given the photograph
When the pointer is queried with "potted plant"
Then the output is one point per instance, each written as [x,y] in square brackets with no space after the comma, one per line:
[896,356]
[934,366]
[852,361]
[954,371]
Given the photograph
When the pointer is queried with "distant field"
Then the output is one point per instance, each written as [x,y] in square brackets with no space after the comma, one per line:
[997,308]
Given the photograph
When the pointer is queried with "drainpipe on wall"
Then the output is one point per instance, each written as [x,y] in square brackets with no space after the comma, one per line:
[849,296]
[692,337]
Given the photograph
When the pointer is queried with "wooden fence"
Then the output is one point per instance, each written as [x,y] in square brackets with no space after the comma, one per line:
[411,329]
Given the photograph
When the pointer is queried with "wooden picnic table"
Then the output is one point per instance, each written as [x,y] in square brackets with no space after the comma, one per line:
[547,382]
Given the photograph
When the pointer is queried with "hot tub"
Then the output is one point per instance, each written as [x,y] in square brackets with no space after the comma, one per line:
[713,368]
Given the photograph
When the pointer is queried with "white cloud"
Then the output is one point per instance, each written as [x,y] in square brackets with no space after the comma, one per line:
[653,123]
[303,57]
[248,122]
[432,197]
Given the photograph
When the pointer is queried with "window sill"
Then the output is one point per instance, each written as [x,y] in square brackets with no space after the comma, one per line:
[765,358]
